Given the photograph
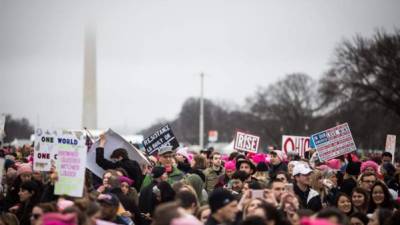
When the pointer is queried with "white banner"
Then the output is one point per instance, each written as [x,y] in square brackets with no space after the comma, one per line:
[113,141]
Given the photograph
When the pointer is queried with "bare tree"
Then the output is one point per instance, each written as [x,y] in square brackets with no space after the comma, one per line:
[365,70]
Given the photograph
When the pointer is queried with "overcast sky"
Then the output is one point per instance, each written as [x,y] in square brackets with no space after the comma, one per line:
[150,53]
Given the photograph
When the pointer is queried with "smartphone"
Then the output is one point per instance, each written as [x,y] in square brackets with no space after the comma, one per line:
[257,193]
[289,187]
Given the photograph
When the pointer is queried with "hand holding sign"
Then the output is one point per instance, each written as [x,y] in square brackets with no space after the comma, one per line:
[102,140]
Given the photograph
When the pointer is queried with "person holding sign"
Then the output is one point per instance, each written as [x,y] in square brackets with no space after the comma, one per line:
[120,156]
[165,159]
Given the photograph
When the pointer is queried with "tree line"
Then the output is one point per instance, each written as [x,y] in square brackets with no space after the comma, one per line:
[361,87]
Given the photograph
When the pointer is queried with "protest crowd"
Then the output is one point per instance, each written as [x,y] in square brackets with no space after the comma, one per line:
[182,187]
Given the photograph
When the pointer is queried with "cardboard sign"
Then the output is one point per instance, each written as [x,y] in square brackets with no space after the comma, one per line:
[390,144]
[295,144]
[334,142]
[44,150]
[212,136]
[246,142]
[70,163]
[113,141]
[162,137]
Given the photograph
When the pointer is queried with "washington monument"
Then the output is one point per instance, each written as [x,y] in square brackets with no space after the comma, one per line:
[89,112]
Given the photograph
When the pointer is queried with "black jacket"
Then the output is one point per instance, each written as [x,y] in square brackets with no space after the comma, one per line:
[308,199]
[276,168]
[131,166]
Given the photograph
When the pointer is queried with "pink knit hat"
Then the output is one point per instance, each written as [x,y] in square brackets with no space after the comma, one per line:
[125,179]
[24,168]
[310,221]
[333,164]
[370,164]
[59,219]
[230,165]
[257,158]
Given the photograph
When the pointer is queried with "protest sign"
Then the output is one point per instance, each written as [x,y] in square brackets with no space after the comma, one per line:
[44,150]
[295,144]
[212,136]
[390,144]
[334,142]
[70,163]
[246,142]
[113,141]
[162,137]
[2,125]
[2,161]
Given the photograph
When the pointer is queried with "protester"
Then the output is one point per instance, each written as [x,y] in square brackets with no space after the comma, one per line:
[165,160]
[212,173]
[308,197]
[223,207]
[122,161]
[343,203]
[360,200]
[242,188]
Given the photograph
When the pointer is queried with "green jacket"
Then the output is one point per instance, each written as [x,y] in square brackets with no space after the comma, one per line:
[212,178]
[174,176]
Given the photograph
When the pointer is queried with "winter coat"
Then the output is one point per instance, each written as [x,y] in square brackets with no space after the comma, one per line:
[212,178]
[309,199]
[132,167]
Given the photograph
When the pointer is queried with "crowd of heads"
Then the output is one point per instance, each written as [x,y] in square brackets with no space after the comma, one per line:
[180,186]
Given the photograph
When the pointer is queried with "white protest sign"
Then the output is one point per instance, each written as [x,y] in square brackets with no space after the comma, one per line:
[2,125]
[390,144]
[334,142]
[295,144]
[2,161]
[44,150]
[70,163]
[246,142]
[113,141]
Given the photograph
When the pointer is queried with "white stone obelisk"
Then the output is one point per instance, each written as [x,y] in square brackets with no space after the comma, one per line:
[89,112]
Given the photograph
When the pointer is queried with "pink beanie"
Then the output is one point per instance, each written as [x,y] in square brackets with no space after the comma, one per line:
[59,219]
[371,164]
[24,168]
[323,167]
[257,158]
[310,221]
[230,165]
[333,164]
[184,152]
[125,179]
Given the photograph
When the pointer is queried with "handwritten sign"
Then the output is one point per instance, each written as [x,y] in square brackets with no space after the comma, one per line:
[334,142]
[70,163]
[162,137]
[295,144]
[44,150]
[246,142]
